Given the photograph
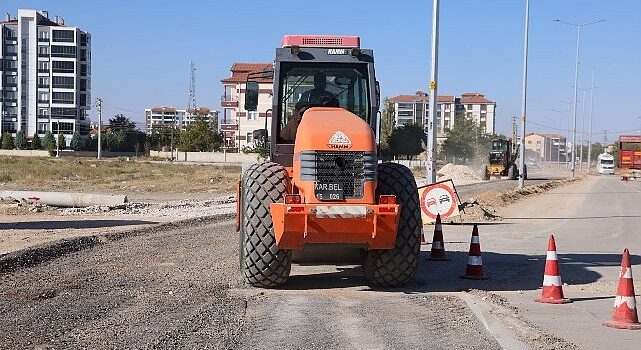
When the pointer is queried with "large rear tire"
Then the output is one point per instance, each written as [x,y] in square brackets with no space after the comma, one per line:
[513,172]
[262,262]
[397,266]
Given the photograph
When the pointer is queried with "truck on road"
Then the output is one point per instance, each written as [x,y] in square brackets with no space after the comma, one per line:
[605,163]
[630,156]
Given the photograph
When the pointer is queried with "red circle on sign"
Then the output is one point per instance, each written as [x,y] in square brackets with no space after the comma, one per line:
[446,188]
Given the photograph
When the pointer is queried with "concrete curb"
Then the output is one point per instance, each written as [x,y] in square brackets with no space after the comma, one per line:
[504,335]
[38,254]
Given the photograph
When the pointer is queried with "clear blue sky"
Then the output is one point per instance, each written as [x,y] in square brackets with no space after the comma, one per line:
[141,50]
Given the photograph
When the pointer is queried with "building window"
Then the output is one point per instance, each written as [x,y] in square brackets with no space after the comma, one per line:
[43,97]
[10,64]
[43,112]
[43,67]
[63,36]
[63,82]
[43,82]
[83,69]
[43,35]
[11,80]
[43,127]
[249,137]
[63,97]
[252,115]
[405,106]
[63,51]
[62,66]
[43,50]
[405,114]
[469,107]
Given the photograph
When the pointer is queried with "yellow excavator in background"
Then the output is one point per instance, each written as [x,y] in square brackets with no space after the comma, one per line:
[502,160]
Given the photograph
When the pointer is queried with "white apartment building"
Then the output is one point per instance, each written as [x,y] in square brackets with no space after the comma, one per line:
[236,124]
[415,109]
[480,109]
[179,118]
[45,71]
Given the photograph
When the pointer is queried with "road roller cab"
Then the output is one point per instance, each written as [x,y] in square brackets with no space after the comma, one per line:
[323,183]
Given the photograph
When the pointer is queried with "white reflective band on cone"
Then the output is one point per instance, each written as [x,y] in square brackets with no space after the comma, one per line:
[632,304]
[627,274]
[551,255]
[474,260]
[437,245]
[475,239]
[341,211]
[551,280]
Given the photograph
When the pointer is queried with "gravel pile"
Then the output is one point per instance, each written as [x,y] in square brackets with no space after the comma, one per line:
[183,209]
[459,174]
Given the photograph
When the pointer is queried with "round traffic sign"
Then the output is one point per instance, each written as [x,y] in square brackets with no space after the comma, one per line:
[438,199]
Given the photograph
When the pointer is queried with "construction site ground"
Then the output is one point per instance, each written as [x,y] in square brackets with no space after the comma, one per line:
[168,285]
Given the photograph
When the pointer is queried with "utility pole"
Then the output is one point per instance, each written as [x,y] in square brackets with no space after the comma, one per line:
[99,106]
[524,99]
[430,163]
[192,86]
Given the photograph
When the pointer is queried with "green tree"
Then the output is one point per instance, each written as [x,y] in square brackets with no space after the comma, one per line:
[163,137]
[407,140]
[21,140]
[387,126]
[62,141]
[49,142]
[7,141]
[35,142]
[200,137]
[125,136]
[76,142]
[461,139]
[91,144]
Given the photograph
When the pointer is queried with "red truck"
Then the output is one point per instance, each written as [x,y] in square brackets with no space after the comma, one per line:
[630,156]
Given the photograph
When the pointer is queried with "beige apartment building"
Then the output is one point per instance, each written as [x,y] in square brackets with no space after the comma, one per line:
[415,109]
[547,147]
[236,124]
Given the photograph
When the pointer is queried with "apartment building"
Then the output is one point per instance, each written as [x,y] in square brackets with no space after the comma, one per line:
[415,109]
[480,109]
[179,118]
[45,75]
[236,124]
[546,147]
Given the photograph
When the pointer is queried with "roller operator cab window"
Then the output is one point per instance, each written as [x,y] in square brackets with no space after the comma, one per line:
[320,85]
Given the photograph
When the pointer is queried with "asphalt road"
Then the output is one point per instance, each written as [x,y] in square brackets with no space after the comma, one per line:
[180,288]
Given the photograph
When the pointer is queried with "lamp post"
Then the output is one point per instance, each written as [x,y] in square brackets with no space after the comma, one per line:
[576,80]
[430,164]
[524,98]
[594,67]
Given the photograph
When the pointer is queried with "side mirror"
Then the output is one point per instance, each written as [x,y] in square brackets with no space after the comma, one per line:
[251,96]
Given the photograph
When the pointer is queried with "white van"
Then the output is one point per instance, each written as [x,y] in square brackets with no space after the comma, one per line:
[605,163]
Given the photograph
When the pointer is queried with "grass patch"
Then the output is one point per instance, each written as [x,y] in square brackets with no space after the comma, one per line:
[88,175]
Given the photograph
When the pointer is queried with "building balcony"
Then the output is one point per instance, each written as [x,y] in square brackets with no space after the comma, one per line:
[228,127]
[228,102]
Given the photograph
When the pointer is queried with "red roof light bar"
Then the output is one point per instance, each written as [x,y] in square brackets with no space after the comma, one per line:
[321,41]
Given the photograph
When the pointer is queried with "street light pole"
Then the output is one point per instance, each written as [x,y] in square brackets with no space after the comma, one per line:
[430,162]
[524,99]
[576,83]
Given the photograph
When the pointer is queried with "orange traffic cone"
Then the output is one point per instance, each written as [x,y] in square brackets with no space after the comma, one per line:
[625,305]
[438,246]
[474,269]
[552,292]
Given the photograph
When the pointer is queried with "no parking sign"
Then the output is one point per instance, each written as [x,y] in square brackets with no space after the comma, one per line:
[438,198]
